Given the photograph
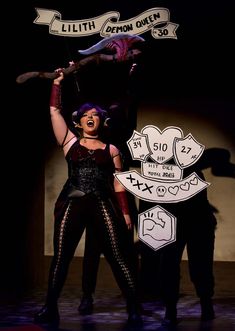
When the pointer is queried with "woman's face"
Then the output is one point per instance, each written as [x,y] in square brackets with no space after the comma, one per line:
[90,121]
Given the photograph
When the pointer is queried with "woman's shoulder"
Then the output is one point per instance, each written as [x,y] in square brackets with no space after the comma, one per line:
[114,151]
[74,146]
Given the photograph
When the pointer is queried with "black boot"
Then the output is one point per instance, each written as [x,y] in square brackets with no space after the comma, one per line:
[170,318]
[207,309]
[48,315]
[86,305]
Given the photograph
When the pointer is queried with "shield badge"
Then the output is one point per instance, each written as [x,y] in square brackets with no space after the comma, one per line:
[187,150]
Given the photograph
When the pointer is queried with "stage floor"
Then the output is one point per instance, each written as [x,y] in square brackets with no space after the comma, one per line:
[110,313]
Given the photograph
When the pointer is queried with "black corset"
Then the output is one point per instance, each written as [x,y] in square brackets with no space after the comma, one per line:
[90,170]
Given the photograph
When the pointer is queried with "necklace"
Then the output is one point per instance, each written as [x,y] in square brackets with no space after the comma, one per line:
[94,138]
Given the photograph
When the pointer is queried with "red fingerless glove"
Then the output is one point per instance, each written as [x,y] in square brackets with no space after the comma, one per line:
[123,202]
[55,99]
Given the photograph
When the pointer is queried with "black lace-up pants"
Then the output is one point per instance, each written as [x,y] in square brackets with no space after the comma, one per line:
[104,222]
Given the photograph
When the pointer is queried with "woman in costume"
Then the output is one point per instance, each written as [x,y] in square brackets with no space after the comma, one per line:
[91,199]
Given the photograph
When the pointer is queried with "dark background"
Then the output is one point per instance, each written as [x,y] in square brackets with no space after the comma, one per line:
[198,65]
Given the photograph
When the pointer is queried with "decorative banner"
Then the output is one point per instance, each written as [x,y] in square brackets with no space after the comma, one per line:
[158,191]
[159,181]
[156,20]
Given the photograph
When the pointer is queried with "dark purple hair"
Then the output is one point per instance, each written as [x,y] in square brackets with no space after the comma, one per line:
[76,115]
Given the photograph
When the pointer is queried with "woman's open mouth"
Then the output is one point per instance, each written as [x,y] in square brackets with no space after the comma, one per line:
[90,123]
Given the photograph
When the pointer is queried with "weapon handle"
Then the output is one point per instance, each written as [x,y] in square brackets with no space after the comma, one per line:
[95,58]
